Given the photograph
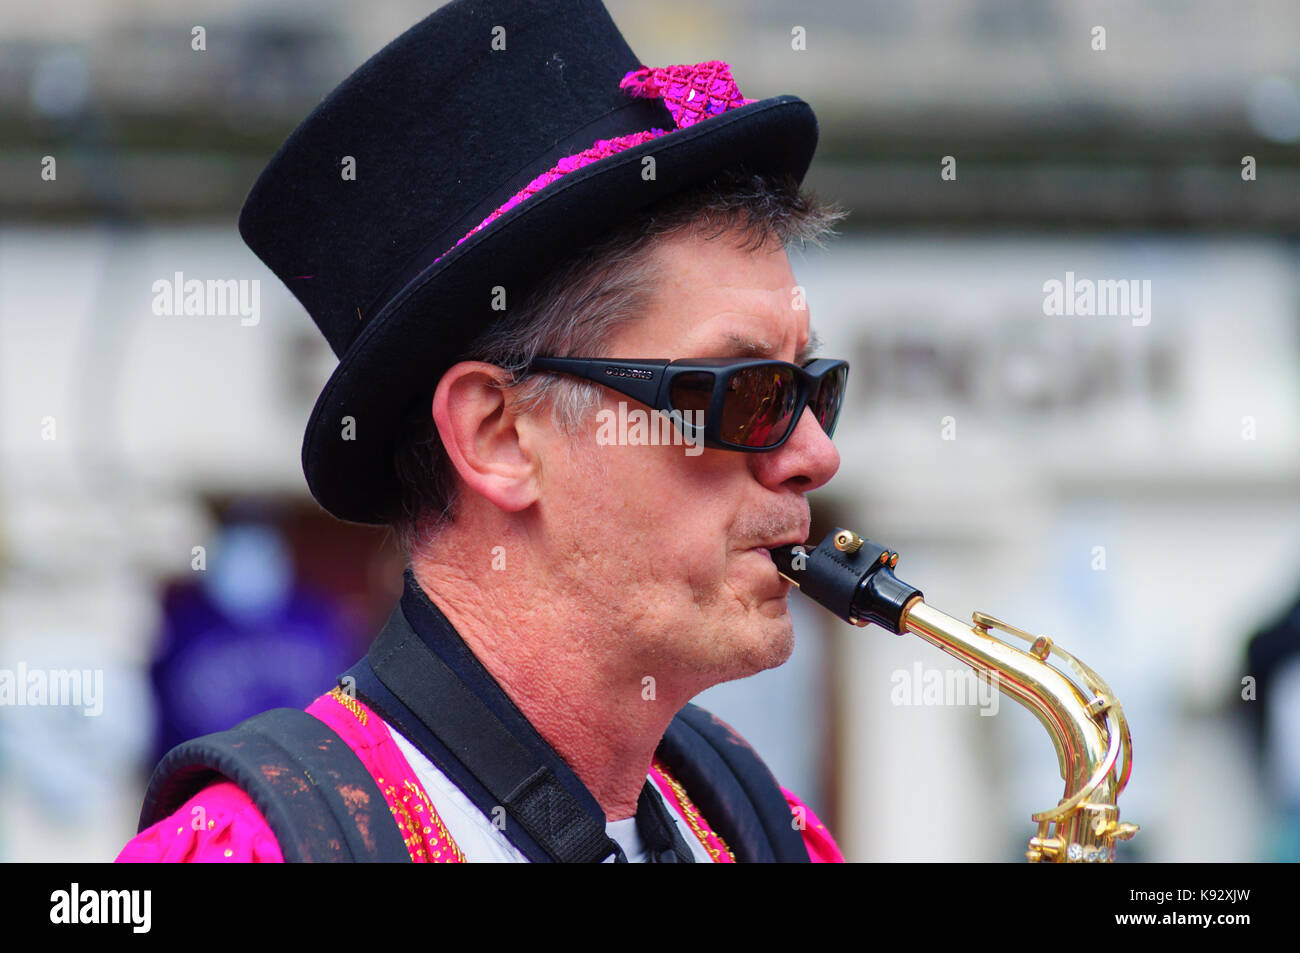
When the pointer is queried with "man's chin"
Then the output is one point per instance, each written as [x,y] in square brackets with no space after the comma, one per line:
[783,647]
[771,645]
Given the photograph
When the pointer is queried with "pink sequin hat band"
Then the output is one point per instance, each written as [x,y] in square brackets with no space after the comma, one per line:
[691,94]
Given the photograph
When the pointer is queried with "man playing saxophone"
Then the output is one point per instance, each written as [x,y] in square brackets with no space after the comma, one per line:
[540,231]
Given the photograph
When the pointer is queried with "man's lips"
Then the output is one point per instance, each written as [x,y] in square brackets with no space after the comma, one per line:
[782,583]
[767,548]
[778,587]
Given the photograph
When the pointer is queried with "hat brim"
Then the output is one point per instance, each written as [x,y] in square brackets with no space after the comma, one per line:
[405,348]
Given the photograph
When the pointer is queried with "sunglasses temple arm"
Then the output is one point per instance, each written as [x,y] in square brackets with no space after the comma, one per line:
[640,380]
[647,392]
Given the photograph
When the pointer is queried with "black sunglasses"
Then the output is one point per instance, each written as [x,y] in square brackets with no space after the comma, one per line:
[744,403]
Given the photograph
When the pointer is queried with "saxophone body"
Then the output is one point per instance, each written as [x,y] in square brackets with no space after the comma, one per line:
[853,578]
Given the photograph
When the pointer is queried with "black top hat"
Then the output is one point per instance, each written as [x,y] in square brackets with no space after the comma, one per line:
[362,211]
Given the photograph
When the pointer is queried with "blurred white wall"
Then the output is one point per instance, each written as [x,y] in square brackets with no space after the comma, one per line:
[115,421]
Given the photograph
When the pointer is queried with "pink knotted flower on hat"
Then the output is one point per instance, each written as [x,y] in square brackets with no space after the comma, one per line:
[691,93]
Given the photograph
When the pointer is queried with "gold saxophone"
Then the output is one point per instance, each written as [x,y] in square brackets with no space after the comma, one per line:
[854,578]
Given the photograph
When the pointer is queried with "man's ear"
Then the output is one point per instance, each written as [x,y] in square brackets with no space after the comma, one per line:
[482,437]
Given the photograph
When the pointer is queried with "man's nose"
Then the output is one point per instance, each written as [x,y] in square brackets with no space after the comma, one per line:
[809,457]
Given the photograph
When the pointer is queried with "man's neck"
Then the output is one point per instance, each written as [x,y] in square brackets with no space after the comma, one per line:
[559,665]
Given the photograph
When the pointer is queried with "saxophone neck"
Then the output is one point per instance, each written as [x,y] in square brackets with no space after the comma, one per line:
[1083,719]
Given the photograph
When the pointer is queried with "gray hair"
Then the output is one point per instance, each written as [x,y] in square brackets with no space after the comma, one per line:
[579,307]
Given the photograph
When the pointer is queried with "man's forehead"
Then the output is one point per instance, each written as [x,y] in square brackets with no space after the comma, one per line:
[718,299]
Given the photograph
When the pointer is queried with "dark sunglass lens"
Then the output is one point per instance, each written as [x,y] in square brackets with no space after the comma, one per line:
[830,398]
[759,406]
[691,392]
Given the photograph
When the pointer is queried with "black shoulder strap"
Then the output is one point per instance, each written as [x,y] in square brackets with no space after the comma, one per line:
[528,790]
[316,795]
[732,787]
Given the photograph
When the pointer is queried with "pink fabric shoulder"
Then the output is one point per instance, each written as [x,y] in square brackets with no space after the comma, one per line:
[821,846]
[220,824]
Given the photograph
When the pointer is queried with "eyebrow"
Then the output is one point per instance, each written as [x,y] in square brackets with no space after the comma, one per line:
[746,346]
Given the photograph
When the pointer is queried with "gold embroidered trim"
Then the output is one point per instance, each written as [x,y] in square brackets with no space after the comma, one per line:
[404,819]
[408,824]
[351,704]
[437,822]
[693,817]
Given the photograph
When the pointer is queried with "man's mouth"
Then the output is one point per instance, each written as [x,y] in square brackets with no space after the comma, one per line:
[778,587]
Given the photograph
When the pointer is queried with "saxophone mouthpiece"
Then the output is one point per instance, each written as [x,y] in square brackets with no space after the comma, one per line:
[784,557]
[851,576]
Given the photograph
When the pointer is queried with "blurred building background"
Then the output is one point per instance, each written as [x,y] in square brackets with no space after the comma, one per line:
[1128,484]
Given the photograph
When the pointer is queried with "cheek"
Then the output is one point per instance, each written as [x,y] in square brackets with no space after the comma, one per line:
[684,510]
[665,514]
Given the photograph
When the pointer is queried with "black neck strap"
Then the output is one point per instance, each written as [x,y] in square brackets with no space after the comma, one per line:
[526,789]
